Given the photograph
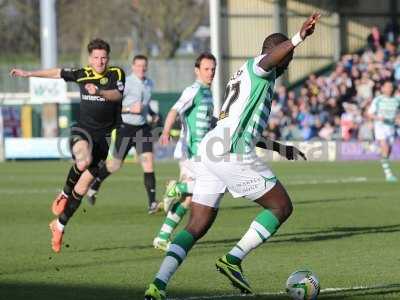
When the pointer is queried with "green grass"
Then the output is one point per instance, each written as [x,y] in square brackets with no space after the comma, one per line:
[346,232]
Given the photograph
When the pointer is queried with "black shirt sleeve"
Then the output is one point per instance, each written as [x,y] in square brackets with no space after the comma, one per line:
[119,82]
[72,74]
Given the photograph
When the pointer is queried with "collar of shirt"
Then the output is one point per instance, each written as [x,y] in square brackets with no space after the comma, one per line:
[198,81]
[146,81]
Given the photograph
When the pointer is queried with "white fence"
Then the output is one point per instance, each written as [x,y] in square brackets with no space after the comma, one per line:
[58,148]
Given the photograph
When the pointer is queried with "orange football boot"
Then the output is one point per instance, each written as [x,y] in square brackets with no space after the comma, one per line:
[56,236]
[59,204]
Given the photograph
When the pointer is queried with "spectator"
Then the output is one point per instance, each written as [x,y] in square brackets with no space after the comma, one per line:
[365,87]
[327,131]
[375,39]
[391,31]
[281,95]
[366,130]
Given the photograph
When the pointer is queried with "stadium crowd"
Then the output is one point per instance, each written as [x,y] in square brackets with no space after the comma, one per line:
[335,106]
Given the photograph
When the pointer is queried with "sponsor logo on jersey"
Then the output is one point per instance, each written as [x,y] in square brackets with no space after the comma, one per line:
[93,98]
[104,81]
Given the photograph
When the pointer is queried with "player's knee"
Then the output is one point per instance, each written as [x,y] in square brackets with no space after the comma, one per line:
[197,231]
[148,167]
[187,201]
[288,210]
[83,164]
[285,210]
[197,227]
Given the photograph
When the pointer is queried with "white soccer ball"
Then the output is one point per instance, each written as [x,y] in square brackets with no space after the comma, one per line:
[303,285]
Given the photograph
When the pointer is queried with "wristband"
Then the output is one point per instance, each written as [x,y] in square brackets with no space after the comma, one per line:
[296,39]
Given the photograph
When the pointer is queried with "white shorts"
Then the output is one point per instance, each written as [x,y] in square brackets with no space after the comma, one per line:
[251,178]
[187,169]
[384,132]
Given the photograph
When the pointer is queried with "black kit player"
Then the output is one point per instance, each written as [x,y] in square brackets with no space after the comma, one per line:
[134,132]
[101,89]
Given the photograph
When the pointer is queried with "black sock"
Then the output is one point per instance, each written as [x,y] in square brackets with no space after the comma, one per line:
[103,173]
[100,173]
[150,184]
[96,184]
[74,200]
[72,179]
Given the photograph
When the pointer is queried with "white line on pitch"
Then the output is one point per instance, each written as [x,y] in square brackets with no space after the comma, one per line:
[327,181]
[323,291]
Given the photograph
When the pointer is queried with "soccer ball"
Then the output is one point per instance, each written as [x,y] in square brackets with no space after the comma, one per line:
[303,285]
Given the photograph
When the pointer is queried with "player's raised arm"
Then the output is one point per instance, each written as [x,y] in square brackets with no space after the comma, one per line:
[278,53]
[48,73]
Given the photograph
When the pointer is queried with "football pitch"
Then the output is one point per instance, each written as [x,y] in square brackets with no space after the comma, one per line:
[345,227]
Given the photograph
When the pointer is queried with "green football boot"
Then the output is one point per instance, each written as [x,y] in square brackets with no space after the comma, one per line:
[234,274]
[153,293]
[172,194]
[161,244]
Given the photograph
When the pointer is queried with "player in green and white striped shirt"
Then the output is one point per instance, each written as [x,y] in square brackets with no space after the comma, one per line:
[228,161]
[383,110]
[195,109]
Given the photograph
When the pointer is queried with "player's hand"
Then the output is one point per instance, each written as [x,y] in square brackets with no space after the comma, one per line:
[293,153]
[136,108]
[309,25]
[91,88]
[19,73]
[164,139]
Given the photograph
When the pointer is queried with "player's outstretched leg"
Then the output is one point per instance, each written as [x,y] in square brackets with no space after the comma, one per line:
[278,208]
[73,176]
[57,225]
[60,202]
[201,218]
[173,218]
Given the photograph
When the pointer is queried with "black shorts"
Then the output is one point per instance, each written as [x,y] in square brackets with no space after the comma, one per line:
[128,136]
[99,142]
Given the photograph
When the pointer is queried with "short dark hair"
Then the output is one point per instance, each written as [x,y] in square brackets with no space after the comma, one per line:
[386,81]
[139,57]
[98,44]
[272,41]
[204,55]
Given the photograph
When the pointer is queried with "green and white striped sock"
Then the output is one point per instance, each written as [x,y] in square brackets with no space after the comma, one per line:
[172,220]
[386,167]
[264,226]
[177,252]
